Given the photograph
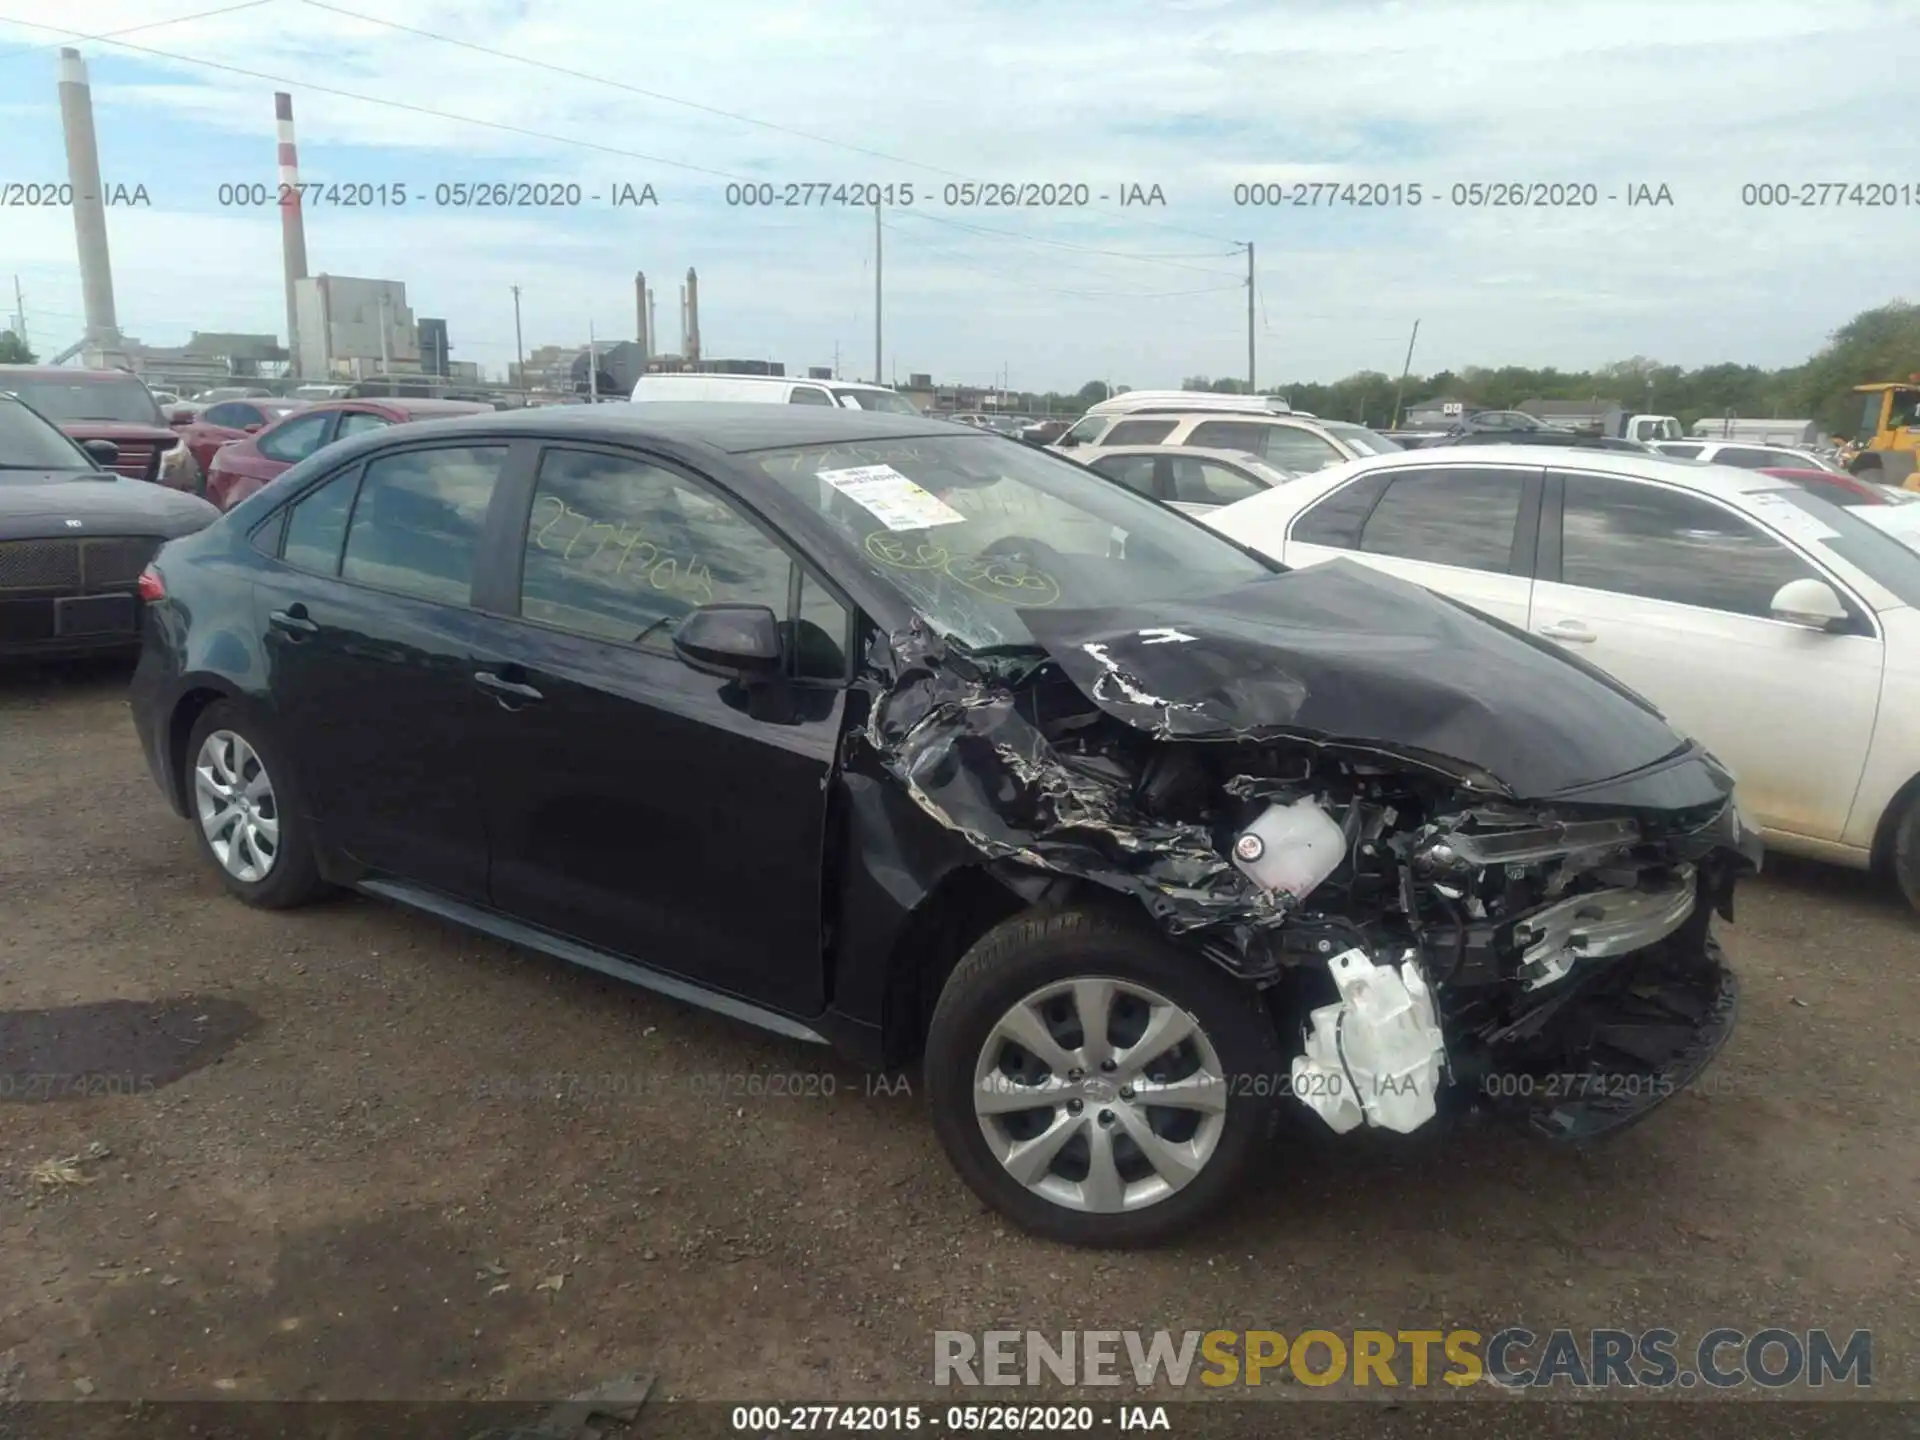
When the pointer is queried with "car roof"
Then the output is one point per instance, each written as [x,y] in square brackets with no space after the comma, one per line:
[405,404]
[63,372]
[772,380]
[1202,452]
[1721,480]
[734,429]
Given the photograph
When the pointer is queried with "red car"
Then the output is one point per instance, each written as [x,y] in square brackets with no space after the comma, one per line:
[243,466]
[205,428]
[108,405]
[1849,490]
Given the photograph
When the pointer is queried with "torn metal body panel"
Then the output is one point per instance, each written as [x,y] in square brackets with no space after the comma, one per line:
[1332,760]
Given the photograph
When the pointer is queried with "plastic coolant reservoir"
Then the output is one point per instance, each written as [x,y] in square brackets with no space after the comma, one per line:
[1375,1055]
[1291,848]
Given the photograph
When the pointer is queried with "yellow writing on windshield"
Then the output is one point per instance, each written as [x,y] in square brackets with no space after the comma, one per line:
[997,577]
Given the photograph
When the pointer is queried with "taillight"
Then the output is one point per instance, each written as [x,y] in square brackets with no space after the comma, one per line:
[152,586]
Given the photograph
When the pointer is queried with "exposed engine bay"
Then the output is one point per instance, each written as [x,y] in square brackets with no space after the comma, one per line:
[1428,934]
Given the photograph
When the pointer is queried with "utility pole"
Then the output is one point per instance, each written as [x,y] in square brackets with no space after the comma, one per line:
[1401,388]
[876,294]
[1250,389]
[386,324]
[20,312]
[519,353]
[593,368]
[836,359]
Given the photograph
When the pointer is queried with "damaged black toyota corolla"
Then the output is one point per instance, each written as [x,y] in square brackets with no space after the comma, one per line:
[875,732]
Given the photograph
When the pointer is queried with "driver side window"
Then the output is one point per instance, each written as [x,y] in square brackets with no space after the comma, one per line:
[622,550]
[297,439]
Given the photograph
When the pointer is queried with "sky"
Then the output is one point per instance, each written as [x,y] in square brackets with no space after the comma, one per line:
[1195,97]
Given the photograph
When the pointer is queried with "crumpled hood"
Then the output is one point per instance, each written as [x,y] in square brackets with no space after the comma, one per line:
[1341,652]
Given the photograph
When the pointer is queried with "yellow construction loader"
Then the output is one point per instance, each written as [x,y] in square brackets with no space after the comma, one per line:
[1888,444]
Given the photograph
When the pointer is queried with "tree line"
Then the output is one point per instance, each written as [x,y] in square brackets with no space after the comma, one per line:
[1879,344]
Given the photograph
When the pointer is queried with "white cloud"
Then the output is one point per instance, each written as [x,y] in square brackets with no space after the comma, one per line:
[1196,97]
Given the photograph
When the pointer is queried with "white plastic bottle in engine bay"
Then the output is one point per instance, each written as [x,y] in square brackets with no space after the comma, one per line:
[1377,1053]
[1291,848]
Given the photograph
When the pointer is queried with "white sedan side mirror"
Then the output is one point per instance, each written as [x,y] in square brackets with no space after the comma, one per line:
[1809,603]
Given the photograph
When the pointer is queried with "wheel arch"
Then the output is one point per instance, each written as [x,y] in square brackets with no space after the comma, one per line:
[1881,853]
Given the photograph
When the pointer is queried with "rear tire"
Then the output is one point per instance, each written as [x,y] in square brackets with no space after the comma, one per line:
[1903,855]
[1095,1162]
[240,797]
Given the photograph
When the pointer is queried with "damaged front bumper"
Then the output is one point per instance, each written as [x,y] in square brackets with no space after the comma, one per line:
[1617,1042]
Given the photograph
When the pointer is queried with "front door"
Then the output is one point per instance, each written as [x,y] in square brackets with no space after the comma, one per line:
[1670,592]
[372,645]
[634,803]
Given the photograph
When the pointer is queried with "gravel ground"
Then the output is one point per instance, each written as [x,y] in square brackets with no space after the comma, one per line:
[336,1164]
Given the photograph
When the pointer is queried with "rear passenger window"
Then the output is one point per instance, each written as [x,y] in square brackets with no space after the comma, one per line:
[1744,458]
[1464,518]
[317,525]
[1229,435]
[807,395]
[1336,520]
[1133,471]
[1298,450]
[416,524]
[1139,432]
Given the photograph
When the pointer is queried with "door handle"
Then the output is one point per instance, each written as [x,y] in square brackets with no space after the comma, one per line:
[1569,632]
[293,619]
[504,688]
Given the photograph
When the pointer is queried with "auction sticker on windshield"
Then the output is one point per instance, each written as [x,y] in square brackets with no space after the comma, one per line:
[891,498]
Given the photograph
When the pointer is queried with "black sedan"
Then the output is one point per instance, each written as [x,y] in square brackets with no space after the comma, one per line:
[74,538]
[877,733]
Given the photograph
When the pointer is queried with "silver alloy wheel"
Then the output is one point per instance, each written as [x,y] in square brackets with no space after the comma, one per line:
[239,813]
[1119,1121]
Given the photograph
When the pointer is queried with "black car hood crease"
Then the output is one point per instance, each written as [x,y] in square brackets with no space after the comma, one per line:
[1340,652]
[1336,654]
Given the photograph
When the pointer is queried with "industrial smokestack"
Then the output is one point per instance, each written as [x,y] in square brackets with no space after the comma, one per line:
[693,315]
[293,229]
[642,332]
[653,317]
[683,320]
[89,208]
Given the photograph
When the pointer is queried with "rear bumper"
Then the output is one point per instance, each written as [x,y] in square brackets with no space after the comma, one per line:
[148,699]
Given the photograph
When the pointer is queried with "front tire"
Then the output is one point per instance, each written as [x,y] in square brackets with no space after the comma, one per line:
[1094,1084]
[239,794]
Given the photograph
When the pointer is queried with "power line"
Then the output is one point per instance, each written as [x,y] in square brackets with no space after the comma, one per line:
[14,52]
[688,104]
[951,258]
[390,104]
[570,140]
[1060,244]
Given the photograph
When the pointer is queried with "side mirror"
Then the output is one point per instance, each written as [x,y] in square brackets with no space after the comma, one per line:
[180,416]
[103,451]
[730,640]
[1808,603]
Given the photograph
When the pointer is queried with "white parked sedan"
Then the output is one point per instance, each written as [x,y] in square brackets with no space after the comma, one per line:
[1780,629]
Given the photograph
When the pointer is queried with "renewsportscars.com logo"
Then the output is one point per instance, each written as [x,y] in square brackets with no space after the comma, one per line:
[1771,1357]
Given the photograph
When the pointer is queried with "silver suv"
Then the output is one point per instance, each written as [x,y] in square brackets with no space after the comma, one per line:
[1288,442]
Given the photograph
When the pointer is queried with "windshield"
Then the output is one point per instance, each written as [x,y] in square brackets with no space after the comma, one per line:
[28,443]
[1367,442]
[884,400]
[63,400]
[1869,549]
[969,529]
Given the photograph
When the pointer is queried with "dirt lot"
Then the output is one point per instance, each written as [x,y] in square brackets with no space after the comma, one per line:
[365,1188]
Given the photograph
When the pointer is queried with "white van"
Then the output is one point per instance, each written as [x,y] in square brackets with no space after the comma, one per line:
[771,390]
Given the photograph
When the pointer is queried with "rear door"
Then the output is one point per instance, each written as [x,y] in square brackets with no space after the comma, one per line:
[372,645]
[634,803]
[1467,531]
[1669,591]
